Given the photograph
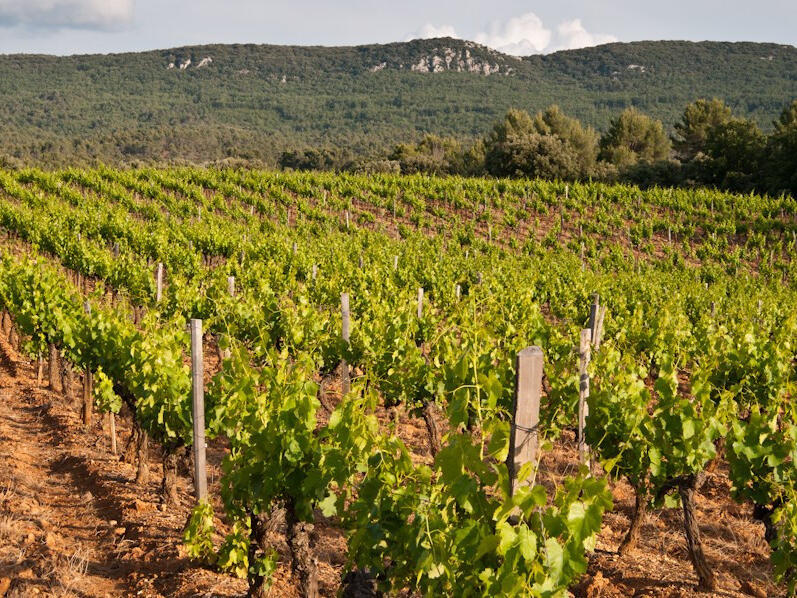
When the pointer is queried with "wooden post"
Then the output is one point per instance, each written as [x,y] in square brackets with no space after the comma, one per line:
[116,250]
[345,323]
[594,314]
[198,396]
[458,291]
[583,393]
[526,413]
[295,247]
[669,234]
[567,191]
[360,262]
[231,285]
[395,263]
[315,271]
[420,302]
[479,277]
[159,283]
[598,338]
[112,424]
[347,220]
[88,381]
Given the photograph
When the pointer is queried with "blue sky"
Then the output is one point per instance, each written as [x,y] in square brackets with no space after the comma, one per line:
[91,26]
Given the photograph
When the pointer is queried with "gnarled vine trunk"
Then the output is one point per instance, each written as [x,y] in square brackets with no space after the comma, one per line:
[258,546]
[54,368]
[687,489]
[169,494]
[431,425]
[67,382]
[142,454]
[631,539]
[302,560]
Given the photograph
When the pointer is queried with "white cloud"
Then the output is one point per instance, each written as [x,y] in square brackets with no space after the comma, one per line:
[67,14]
[524,35]
[571,35]
[430,31]
[519,36]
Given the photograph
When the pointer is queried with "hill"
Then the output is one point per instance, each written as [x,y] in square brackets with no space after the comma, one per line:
[253,101]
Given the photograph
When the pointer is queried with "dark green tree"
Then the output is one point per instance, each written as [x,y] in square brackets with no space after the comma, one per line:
[736,150]
[635,138]
[782,153]
[698,119]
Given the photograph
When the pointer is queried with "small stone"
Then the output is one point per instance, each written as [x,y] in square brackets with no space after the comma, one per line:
[5,583]
[112,522]
[51,541]
[120,531]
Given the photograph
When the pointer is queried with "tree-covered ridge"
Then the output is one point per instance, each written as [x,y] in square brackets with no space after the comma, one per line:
[253,102]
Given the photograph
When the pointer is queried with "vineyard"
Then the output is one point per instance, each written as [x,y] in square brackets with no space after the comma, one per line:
[363,343]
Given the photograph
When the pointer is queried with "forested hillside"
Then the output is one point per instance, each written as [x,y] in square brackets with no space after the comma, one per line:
[253,102]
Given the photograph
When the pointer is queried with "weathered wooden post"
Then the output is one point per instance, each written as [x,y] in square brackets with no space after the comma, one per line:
[315,271]
[198,404]
[347,220]
[231,285]
[420,302]
[583,393]
[458,291]
[395,263]
[669,234]
[526,413]
[159,283]
[345,323]
[294,248]
[88,380]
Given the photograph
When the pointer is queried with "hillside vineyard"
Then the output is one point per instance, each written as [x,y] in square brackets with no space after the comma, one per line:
[663,321]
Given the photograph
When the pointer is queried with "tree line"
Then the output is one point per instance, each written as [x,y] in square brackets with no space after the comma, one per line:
[710,146]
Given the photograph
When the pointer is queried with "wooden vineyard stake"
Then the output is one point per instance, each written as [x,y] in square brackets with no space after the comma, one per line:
[226,353]
[669,234]
[115,250]
[112,426]
[39,370]
[525,413]
[347,220]
[315,271]
[395,263]
[88,381]
[159,283]
[458,291]
[295,247]
[345,323]
[479,278]
[420,302]
[583,393]
[198,404]
[596,315]
[567,191]
[360,262]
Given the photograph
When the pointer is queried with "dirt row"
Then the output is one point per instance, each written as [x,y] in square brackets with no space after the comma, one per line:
[73,522]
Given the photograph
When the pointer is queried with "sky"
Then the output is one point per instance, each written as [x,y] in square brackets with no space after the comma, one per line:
[512,26]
